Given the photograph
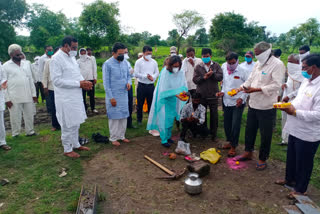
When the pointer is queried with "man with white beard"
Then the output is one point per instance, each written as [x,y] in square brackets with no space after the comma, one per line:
[263,86]
[21,92]
[290,88]
[68,84]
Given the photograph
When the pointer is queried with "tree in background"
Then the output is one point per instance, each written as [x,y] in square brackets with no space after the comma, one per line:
[46,27]
[11,14]
[173,37]
[310,31]
[201,37]
[229,32]
[99,21]
[185,22]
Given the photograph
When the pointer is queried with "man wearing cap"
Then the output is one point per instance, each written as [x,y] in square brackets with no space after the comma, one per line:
[249,63]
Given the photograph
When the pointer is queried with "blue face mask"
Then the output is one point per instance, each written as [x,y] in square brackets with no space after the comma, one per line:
[206,60]
[248,59]
[306,75]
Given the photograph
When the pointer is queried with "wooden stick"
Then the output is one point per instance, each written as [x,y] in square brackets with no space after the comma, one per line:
[159,165]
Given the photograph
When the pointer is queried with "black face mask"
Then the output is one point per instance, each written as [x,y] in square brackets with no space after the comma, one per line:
[120,58]
[16,59]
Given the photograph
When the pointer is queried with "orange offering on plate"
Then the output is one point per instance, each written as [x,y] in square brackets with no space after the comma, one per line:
[232,92]
[281,105]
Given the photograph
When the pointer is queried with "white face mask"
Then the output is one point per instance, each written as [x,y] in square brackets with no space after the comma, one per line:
[173,54]
[83,57]
[294,71]
[73,53]
[264,56]
[148,57]
[304,55]
[126,56]
[175,70]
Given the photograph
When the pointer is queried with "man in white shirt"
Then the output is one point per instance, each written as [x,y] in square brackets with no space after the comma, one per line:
[47,55]
[290,88]
[249,63]
[263,86]
[303,125]
[233,76]
[147,71]
[304,51]
[3,143]
[49,92]
[21,92]
[188,65]
[89,73]
[68,84]
[35,72]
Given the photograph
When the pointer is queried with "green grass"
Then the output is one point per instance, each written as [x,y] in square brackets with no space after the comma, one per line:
[33,166]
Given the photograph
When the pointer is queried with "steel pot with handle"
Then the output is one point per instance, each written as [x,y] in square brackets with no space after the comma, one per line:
[193,184]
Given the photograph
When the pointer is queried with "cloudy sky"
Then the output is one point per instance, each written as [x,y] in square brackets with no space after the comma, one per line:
[155,16]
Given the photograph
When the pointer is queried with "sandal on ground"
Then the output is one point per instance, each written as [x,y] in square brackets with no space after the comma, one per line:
[170,141]
[82,148]
[167,145]
[72,154]
[244,157]
[115,143]
[284,182]
[261,167]
[126,140]
[291,195]
[232,152]
[5,147]
[226,146]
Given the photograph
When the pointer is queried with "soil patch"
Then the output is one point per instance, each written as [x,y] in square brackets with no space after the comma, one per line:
[128,181]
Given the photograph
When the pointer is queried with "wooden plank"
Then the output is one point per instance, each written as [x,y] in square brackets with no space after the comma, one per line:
[308,209]
[292,209]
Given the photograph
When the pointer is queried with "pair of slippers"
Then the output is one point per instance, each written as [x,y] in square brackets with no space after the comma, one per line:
[259,167]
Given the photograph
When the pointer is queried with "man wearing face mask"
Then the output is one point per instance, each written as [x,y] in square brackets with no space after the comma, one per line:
[188,65]
[303,125]
[68,84]
[20,93]
[47,55]
[304,51]
[207,74]
[249,63]
[233,76]
[130,92]
[117,82]
[290,88]
[146,70]
[263,86]
[89,73]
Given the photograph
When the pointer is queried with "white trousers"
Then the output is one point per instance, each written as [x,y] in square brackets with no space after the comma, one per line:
[16,112]
[2,130]
[117,129]
[285,135]
[70,138]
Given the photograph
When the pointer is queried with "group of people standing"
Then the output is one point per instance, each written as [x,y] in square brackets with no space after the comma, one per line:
[257,85]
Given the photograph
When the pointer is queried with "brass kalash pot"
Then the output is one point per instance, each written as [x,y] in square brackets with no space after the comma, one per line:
[193,184]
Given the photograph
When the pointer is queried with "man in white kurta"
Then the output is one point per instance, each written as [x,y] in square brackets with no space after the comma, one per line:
[3,143]
[290,89]
[20,93]
[68,81]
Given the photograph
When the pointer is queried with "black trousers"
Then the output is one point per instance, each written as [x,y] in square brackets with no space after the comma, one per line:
[213,106]
[299,164]
[144,91]
[40,91]
[263,120]
[54,119]
[232,123]
[202,130]
[90,93]
[130,104]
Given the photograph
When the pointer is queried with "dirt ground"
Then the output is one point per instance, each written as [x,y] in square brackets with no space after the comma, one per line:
[128,182]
